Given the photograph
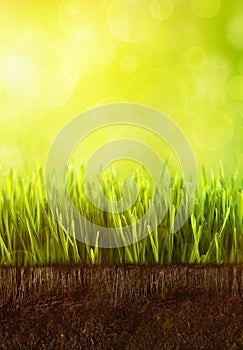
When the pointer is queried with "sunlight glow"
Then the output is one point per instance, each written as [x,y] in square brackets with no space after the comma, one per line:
[16,71]
[184,58]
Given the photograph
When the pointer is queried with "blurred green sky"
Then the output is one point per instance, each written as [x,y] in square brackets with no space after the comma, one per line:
[182,57]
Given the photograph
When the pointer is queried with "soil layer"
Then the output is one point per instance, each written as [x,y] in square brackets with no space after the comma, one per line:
[188,318]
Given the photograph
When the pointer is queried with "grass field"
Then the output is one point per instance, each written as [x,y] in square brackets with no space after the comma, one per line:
[30,235]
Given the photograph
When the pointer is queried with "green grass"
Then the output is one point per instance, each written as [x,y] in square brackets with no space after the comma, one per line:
[30,235]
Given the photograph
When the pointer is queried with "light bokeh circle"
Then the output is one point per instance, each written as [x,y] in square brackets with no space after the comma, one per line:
[161,10]
[67,56]
[132,21]
[216,85]
[235,87]
[80,21]
[213,129]
[206,8]
[160,89]
[195,87]
[220,50]
[196,57]
[234,29]
[54,87]
[118,113]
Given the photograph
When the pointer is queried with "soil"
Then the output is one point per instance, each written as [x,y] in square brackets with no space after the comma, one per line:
[189,318]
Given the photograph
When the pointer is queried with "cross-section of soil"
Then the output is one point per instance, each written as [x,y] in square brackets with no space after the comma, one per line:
[190,316]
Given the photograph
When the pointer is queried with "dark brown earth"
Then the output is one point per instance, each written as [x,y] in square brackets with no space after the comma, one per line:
[188,318]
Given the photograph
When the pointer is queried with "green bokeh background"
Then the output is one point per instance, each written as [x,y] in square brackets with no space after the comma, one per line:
[182,57]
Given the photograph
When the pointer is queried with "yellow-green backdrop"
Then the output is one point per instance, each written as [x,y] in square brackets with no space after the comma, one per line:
[182,57]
